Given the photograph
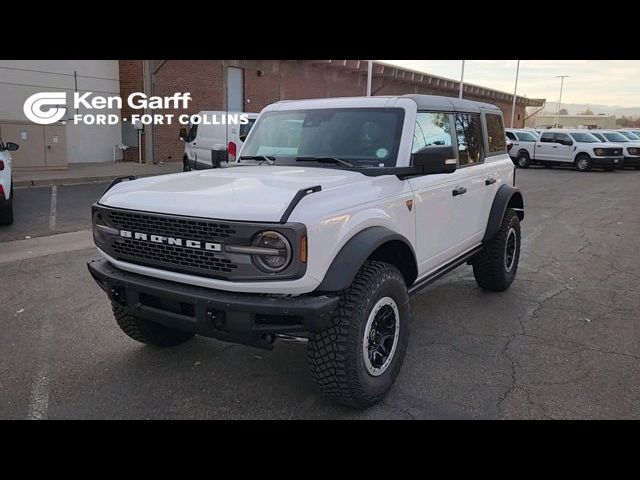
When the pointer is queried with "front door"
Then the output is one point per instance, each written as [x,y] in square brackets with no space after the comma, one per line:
[448,206]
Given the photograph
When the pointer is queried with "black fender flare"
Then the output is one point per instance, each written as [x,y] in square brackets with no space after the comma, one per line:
[525,151]
[506,197]
[354,253]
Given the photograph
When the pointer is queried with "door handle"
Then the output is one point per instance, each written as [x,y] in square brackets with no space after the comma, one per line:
[490,181]
[459,191]
[555,146]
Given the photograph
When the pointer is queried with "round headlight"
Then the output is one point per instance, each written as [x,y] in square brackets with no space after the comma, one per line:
[280,246]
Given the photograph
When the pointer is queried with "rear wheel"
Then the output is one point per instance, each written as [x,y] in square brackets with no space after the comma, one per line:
[495,267]
[583,162]
[145,331]
[523,161]
[357,357]
[6,212]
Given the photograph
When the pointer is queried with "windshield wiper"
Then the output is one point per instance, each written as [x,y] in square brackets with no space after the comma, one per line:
[339,161]
[265,158]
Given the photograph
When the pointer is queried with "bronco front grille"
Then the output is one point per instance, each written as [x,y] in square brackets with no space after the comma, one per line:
[170,226]
[181,257]
[190,245]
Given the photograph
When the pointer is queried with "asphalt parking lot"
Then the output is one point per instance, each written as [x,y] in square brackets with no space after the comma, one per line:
[563,342]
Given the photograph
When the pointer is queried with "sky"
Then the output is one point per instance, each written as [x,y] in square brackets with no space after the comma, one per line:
[605,82]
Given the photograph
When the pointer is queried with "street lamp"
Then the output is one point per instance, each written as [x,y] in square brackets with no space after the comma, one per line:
[515,90]
[461,80]
[561,77]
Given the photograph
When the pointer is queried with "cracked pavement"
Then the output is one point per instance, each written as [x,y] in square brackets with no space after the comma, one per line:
[562,342]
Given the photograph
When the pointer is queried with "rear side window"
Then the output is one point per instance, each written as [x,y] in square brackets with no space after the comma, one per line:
[495,133]
[432,129]
[511,136]
[469,133]
[547,138]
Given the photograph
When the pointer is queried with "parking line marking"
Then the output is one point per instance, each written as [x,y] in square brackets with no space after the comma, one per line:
[53,211]
[39,398]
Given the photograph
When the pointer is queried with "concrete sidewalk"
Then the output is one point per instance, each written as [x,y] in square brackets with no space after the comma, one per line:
[92,172]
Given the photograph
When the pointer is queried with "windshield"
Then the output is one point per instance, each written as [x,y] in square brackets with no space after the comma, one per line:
[630,135]
[584,137]
[615,137]
[599,136]
[362,136]
[526,137]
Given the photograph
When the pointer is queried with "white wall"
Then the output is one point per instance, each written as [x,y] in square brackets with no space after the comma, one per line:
[85,143]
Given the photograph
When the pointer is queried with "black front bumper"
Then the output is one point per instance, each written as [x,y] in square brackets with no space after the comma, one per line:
[607,161]
[233,317]
[632,161]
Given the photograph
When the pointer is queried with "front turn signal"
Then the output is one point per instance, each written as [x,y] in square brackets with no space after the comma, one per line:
[303,249]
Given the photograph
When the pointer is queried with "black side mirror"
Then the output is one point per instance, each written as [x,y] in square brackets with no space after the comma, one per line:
[218,156]
[243,137]
[440,159]
[12,146]
[183,134]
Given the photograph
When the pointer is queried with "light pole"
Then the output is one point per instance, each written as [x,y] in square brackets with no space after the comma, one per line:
[561,77]
[515,90]
[461,80]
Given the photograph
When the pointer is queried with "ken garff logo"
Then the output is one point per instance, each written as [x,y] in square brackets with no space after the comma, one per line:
[46,108]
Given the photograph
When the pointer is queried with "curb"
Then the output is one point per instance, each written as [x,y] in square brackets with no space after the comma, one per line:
[76,180]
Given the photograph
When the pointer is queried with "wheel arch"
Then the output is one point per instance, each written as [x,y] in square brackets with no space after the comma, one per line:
[506,197]
[373,243]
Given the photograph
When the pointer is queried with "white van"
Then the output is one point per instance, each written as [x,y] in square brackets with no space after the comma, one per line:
[218,131]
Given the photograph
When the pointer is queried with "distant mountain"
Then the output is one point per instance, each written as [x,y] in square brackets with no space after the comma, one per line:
[576,108]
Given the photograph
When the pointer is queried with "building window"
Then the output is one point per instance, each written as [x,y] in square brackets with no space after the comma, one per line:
[235,89]
[469,133]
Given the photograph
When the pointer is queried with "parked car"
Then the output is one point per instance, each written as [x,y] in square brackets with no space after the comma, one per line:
[6,183]
[630,134]
[524,144]
[574,147]
[223,138]
[630,148]
[365,203]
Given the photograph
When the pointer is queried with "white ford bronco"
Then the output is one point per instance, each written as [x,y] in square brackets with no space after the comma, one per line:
[338,211]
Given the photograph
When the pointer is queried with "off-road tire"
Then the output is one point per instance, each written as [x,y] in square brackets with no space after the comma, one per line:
[6,212]
[490,266]
[145,331]
[583,166]
[523,160]
[335,354]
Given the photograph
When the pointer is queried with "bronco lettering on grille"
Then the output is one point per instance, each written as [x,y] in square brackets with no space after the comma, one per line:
[178,242]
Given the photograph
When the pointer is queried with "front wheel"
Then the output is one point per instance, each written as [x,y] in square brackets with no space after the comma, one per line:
[357,357]
[495,267]
[583,163]
[146,331]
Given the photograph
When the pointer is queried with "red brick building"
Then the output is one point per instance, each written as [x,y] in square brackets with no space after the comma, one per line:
[267,81]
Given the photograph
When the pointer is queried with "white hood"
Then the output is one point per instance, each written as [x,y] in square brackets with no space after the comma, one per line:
[251,193]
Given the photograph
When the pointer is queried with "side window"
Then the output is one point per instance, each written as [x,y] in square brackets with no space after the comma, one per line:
[547,138]
[563,139]
[495,133]
[511,136]
[432,129]
[469,133]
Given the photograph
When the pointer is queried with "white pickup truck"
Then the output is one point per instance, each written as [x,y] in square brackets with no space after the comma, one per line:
[575,147]
[630,147]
